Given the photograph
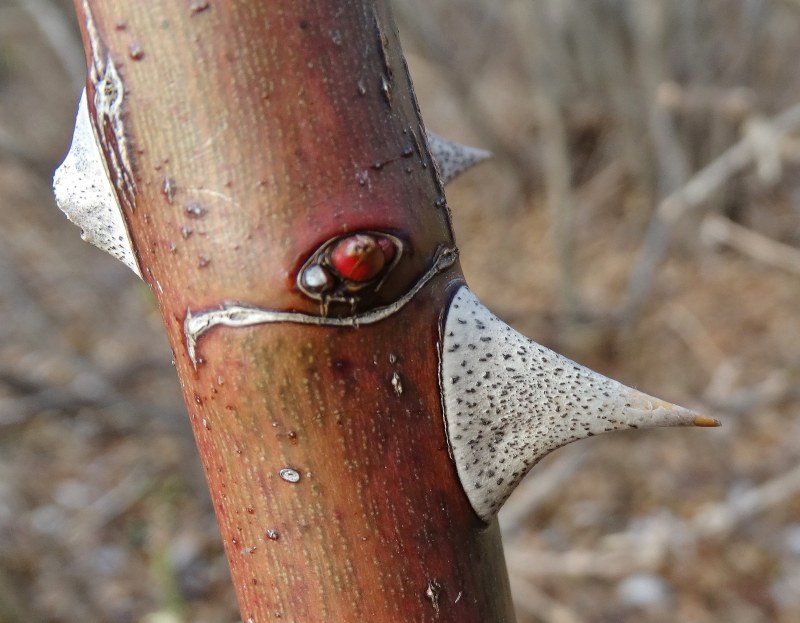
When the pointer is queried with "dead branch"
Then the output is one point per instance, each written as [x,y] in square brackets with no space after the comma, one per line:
[538,605]
[694,194]
[647,544]
[719,230]
[536,489]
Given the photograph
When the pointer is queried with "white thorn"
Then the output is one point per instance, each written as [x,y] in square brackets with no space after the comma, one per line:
[452,159]
[84,193]
[509,401]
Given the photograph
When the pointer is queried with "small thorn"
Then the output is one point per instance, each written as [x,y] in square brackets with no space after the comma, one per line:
[84,192]
[452,159]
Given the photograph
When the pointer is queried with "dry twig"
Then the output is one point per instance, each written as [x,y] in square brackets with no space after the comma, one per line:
[647,544]
[538,605]
[717,229]
[691,196]
[541,484]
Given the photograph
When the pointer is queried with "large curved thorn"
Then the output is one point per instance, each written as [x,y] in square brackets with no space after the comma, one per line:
[509,401]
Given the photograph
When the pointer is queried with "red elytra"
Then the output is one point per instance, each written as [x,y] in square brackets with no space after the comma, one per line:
[361,257]
[387,246]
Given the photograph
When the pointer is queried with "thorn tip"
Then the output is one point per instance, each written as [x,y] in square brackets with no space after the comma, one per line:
[705,421]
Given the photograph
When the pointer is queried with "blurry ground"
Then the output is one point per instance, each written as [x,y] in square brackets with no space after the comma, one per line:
[597,112]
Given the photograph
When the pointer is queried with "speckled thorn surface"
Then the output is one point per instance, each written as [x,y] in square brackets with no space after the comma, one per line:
[509,402]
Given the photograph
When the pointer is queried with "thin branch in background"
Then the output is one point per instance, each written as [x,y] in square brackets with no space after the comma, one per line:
[710,179]
[719,520]
[672,169]
[540,485]
[697,191]
[90,384]
[718,230]
[650,40]
[427,31]
[112,503]
[641,548]
[695,336]
[608,63]
[723,393]
[779,386]
[733,104]
[82,391]
[542,62]
[540,607]
[649,543]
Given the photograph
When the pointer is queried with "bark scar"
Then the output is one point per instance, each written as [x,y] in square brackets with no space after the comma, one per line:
[432,592]
[109,94]
[196,324]
[387,75]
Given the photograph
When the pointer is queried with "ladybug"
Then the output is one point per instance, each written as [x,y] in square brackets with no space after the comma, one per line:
[347,264]
[358,258]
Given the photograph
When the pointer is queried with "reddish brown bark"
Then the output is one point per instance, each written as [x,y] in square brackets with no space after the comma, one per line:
[258,130]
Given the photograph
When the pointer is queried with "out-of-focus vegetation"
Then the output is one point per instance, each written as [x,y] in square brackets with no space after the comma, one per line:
[642,215]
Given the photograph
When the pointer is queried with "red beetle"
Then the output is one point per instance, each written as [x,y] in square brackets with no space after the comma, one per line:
[345,265]
[358,258]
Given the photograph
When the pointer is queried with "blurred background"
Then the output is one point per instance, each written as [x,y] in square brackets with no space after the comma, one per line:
[641,215]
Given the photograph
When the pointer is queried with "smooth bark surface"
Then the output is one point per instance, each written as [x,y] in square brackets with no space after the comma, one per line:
[251,133]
